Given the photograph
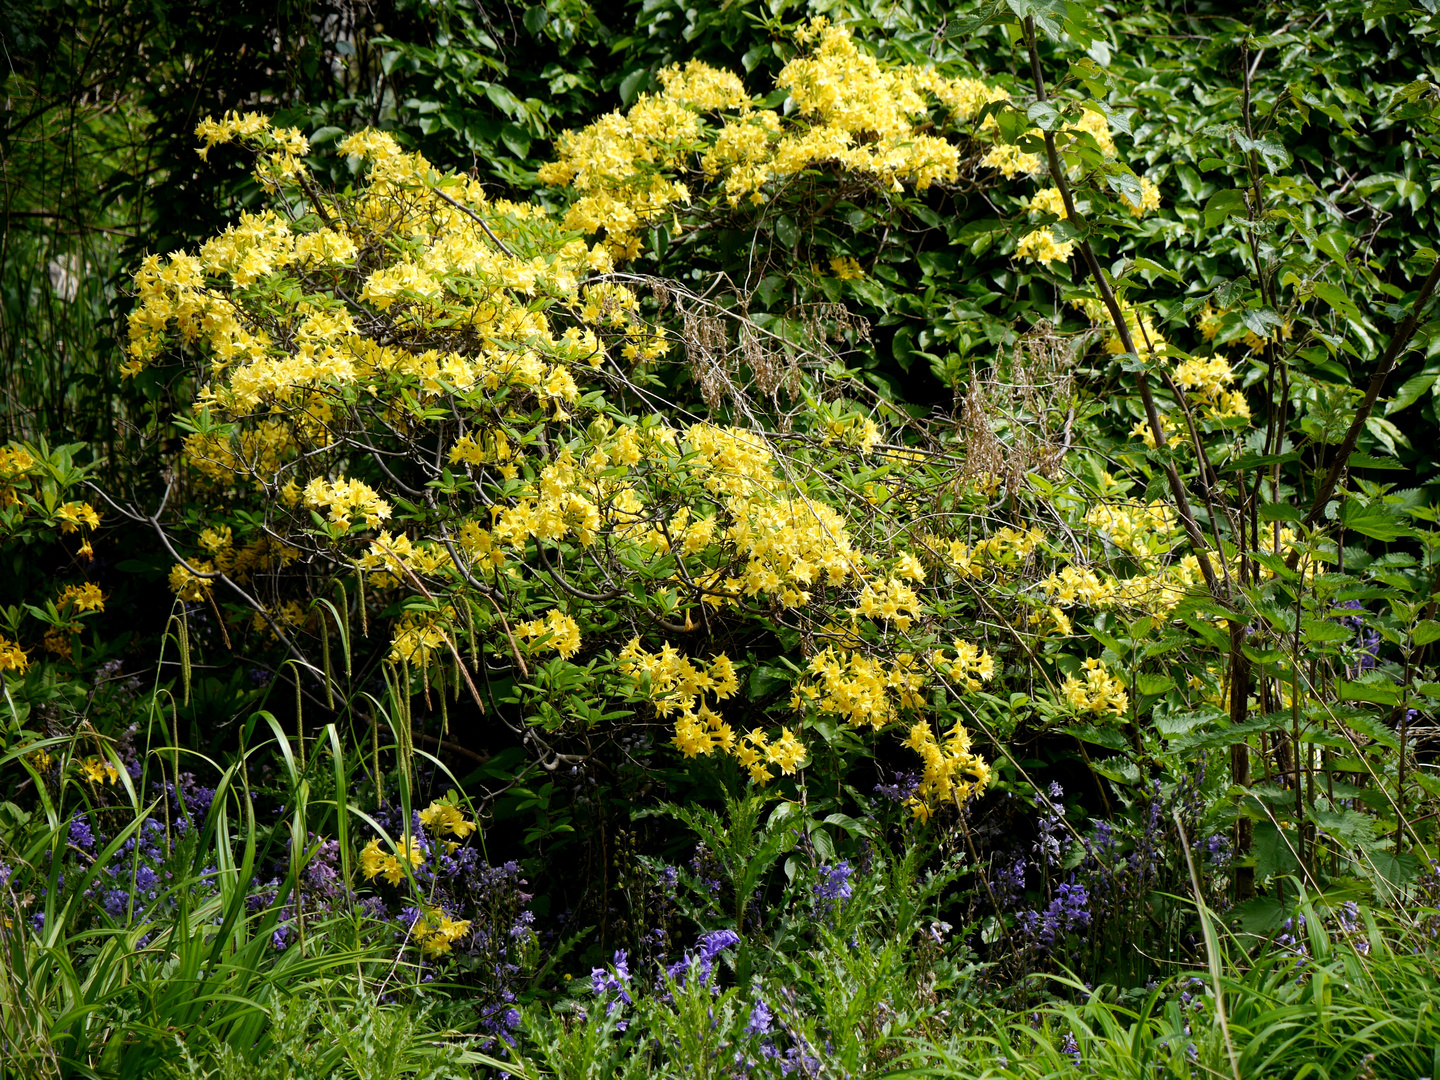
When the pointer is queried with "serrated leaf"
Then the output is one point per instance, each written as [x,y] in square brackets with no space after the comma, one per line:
[1426,631]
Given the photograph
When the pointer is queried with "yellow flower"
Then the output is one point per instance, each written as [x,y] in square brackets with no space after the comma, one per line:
[85,597]
[442,817]
[1041,246]
[13,657]
[98,770]
[74,514]
[372,860]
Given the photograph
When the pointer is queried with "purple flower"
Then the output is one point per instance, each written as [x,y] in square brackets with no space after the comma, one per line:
[604,983]
[80,834]
[5,872]
[905,785]
[760,1018]
[715,941]
[834,883]
[115,903]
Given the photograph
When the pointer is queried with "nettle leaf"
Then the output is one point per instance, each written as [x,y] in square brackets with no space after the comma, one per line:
[1426,631]
[1044,115]
[1274,851]
[1380,521]
[1354,828]
[1271,150]
[1326,631]
[1126,184]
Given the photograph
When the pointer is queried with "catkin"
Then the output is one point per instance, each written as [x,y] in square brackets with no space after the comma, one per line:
[185,653]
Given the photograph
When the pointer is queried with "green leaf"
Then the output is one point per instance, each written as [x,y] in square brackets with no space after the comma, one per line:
[1376,693]
[1273,851]
[1398,870]
[1225,203]
[1380,521]
[1049,15]
[1262,915]
[1337,298]
[1411,391]
[1280,512]
[1108,737]
[1426,631]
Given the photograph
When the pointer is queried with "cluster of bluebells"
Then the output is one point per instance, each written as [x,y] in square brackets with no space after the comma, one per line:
[902,790]
[834,887]
[765,1036]
[1116,870]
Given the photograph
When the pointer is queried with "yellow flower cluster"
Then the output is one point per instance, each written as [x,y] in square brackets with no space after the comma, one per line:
[435,932]
[1136,528]
[1208,380]
[678,686]
[952,772]
[486,448]
[848,109]
[375,862]
[189,587]
[756,753]
[16,463]
[703,87]
[85,597]
[99,770]
[390,556]
[556,631]
[1005,549]
[346,499]
[889,599]
[73,515]
[1155,591]
[1010,160]
[1149,343]
[419,637]
[1096,690]
[970,667]
[1040,245]
[443,818]
[13,657]
[787,541]
[1142,430]
[1046,201]
[552,509]
[859,688]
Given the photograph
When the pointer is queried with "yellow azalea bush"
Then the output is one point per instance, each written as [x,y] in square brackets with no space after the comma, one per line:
[431,405]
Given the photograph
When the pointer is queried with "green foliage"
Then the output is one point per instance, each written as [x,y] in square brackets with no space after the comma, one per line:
[1008,504]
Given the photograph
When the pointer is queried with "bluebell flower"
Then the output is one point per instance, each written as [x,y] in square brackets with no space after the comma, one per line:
[760,1018]
[80,834]
[834,883]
